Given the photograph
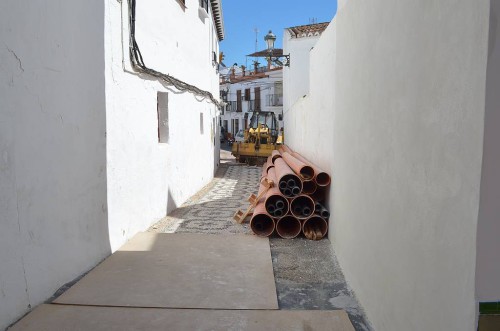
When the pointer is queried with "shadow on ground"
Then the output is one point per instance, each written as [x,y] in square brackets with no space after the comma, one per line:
[307,273]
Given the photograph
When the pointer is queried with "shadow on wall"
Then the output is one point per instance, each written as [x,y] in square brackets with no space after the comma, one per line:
[171,204]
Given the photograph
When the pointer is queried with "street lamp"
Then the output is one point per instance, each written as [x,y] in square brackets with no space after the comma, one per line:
[270,38]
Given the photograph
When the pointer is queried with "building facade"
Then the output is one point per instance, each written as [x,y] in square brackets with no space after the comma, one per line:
[245,91]
[95,147]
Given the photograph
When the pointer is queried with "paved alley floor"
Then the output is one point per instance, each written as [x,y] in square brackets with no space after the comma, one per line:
[306,272]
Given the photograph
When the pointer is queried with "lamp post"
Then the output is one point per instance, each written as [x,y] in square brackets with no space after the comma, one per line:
[270,38]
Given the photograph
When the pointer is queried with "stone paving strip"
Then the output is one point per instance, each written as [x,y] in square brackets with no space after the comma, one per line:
[306,272]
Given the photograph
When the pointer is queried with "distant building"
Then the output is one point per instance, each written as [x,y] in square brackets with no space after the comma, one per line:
[245,90]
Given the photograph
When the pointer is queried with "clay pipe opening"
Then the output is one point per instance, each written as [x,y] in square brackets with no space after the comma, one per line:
[284,173]
[276,205]
[315,228]
[309,187]
[304,202]
[261,223]
[288,227]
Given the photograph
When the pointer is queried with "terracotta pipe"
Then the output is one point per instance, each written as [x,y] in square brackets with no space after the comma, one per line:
[268,165]
[291,183]
[275,155]
[309,187]
[264,171]
[320,177]
[300,168]
[283,174]
[300,203]
[274,197]
[315,227]
[321,210]
[319,194]
[261,223]
[288,227]
[286,149]
[281,204]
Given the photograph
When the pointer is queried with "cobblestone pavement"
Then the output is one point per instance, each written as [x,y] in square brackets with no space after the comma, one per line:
[306,272]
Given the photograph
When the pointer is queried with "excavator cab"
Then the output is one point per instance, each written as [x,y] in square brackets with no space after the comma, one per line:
[261,139]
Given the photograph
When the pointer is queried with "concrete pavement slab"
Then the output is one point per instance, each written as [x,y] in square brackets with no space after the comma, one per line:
[182,271]
[86,318]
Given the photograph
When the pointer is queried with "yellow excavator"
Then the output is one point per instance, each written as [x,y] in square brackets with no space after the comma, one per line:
[260,139]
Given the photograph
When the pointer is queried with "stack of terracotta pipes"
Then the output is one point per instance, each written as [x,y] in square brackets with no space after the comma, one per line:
[294,204]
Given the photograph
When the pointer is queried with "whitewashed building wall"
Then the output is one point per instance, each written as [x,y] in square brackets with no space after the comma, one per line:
[395,111]
[81,167]
[146,179]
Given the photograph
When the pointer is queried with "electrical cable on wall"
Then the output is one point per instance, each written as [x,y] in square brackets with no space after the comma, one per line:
[138,63]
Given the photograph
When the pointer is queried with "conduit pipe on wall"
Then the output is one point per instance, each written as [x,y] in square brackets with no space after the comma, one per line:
[284,173]
[315,227]
[288,227]
[300,168]
[320,177]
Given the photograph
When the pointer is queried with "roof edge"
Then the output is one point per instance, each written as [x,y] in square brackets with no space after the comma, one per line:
[218,17]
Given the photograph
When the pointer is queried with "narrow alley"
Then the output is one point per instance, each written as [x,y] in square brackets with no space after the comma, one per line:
[122,207]
[306,272]
[307,276]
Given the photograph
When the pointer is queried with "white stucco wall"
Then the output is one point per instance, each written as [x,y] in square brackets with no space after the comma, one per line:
[488,242]
[73,120]
[147,179]
[405,109]
[53,218]
[297,75]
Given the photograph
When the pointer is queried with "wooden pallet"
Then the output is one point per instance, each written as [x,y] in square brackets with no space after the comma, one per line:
[240,216]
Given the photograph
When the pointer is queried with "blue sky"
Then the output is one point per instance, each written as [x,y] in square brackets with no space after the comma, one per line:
[241,18]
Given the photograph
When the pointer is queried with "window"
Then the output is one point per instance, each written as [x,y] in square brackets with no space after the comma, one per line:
[204,5]
[238,100]
[257,98]
[236,126]
[247,94]
[162,110]
[201,123]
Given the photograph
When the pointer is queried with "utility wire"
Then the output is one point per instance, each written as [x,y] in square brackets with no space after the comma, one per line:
[138,63]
